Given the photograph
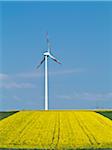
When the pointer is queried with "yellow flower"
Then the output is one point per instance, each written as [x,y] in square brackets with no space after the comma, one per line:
[56,130]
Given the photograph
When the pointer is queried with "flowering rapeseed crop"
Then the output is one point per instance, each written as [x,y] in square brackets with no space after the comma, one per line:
[56,130]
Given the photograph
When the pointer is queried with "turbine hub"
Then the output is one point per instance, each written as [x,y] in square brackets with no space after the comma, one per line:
[46,54]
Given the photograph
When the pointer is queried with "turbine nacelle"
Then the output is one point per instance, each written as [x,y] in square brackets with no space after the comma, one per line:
[46,53]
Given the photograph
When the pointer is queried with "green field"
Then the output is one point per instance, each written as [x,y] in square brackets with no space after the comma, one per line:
[106,114]
[6,114]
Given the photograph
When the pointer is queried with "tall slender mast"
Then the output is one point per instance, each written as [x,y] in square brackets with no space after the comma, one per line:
[46,82]
[46,55]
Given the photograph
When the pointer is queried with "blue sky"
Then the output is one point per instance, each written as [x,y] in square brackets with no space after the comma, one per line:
[81,38]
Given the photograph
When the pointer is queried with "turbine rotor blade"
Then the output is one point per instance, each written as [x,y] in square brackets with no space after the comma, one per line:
[48,42]
[52,57]
[41,63]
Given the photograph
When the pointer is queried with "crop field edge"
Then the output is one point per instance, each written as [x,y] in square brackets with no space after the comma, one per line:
[5,114]
[56,149]
[107,114]
[104,112]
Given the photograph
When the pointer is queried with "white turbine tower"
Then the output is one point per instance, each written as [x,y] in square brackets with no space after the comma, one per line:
[47,54]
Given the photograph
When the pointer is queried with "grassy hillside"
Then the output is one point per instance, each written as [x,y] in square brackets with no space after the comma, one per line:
[6,114]
[56,130]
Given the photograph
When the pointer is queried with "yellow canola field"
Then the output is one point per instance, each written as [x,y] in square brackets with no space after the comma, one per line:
[56,130]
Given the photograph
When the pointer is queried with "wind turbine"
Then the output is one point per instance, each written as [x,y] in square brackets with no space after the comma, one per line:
[47,54]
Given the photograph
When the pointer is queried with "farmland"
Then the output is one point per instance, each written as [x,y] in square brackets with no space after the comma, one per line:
[56,130]
[6,114]
[106,113]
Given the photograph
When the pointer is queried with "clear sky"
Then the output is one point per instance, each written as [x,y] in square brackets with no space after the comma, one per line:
[81,38]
